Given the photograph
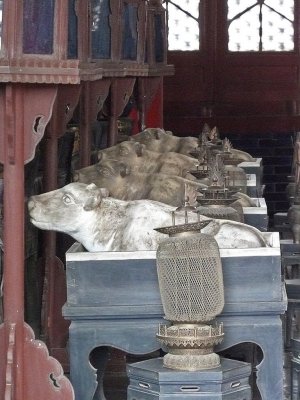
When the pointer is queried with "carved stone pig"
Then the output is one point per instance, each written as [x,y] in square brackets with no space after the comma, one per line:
[135,155]
[158,140]
[103,223]
[125,185]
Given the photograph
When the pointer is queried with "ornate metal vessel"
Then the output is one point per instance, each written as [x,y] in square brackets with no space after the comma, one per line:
[215,200]
[191,286]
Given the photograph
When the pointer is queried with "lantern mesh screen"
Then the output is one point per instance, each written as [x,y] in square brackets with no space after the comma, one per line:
[220,212]
[190,278]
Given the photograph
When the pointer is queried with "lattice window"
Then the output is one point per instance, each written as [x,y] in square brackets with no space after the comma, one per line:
[264,25]
[1,8]
[183,24]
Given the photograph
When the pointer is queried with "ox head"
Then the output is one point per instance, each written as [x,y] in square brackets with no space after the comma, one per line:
[106,173]
[112,169]
[128,149]
[86,175]
[147,135]
[65,209]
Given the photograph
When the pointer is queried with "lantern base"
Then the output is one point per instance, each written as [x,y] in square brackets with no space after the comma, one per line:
[191,346]
[191,362]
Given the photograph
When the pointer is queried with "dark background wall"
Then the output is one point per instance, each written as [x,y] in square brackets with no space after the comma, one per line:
[276,150]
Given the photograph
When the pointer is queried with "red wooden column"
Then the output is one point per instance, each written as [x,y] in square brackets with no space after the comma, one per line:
[26,371]
[54,326]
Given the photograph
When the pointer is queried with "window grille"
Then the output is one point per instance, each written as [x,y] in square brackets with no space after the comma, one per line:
[183,24]
[264,25]
[1,8]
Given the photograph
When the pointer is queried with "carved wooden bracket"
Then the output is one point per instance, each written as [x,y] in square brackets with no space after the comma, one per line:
[66,101]
[92,100]
[37,107]
[37,367]
[121,90]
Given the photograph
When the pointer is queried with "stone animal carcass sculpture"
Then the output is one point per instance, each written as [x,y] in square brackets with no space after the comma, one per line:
[102,223]
[124,184]
[136,155]
[239,154]
[159,140]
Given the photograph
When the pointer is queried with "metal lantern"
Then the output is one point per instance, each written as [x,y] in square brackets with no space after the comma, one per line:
[202,169]
[191,286]
[236,178]
[216,200]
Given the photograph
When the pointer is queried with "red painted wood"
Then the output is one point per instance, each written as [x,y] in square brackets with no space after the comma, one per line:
[91,102]
[54,326]
[240,92]
[154,111]
[40,367]
[150,102]
[121,90]
[20,105]
[38,103]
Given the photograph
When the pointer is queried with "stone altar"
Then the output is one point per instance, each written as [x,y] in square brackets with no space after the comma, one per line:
[256,168]
[152,381]
[113,300]
[257,216]
[252,190]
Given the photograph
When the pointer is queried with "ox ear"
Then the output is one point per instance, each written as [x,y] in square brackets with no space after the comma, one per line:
[156,134]
[104,193]
[169,133]
[124,170]
[94,198]
[139,149]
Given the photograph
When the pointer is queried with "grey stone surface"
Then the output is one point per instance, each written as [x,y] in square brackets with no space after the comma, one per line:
[150,379]
[113,300]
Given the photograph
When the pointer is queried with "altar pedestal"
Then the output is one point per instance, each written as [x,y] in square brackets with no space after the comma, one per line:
[113,299]
[257,216]
[256,168]
[150,380]
[252,189]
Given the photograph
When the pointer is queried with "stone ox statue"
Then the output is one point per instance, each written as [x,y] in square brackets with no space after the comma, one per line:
[102,223]
[136,155]
[125,184]
[161,141]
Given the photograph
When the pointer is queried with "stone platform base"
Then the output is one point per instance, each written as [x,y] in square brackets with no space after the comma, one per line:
[150,380]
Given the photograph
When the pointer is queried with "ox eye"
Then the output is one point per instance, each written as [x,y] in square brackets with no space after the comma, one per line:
[123,151]
[67,199]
